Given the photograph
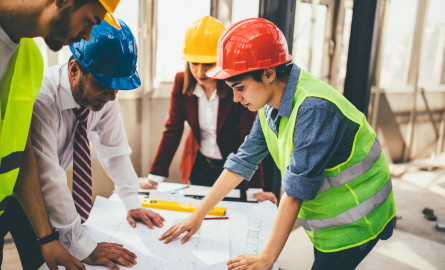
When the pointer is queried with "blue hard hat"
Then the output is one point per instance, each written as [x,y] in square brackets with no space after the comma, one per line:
[110,56]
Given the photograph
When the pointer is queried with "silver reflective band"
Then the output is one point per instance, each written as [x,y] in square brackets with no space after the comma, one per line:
[352,215]
[355,171]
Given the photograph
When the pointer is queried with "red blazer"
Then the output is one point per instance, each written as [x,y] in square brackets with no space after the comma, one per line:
[233,125]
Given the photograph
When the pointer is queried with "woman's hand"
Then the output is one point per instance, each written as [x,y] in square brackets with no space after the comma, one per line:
[250,262]
[146,183]
[190,224]
[264,196]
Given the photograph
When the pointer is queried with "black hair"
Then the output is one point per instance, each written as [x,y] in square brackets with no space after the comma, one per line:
[80,3]
[83,70]
[282,71]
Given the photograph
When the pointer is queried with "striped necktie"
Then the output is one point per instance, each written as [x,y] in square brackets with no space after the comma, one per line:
[82,184]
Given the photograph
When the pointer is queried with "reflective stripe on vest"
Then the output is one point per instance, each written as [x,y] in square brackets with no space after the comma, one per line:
[11,162]
[354,171]
[20,86]
[352,215]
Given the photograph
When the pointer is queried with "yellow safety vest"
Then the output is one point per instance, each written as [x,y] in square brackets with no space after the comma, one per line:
[356,200]
[23,78]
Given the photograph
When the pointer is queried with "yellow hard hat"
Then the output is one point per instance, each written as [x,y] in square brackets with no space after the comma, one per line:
[110,6]
[201,40]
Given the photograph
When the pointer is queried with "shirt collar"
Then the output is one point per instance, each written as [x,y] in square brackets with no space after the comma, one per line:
[199,92]
[67,101]
[289,92]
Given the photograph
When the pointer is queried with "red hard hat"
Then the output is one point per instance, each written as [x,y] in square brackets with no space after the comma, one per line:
[249,45]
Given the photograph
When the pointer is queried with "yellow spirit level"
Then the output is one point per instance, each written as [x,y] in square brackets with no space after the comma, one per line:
[183,207]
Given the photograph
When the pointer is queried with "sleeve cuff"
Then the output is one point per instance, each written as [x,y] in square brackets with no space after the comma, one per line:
[131,202]
[252,191]
[301,187]
[239,166]
[83,248]
[156,178]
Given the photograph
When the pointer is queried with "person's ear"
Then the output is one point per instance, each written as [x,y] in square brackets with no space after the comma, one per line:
[270,74]
[73,69]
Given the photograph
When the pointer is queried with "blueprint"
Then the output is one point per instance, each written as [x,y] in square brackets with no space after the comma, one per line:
[250,224]
[246,231]
[210,245]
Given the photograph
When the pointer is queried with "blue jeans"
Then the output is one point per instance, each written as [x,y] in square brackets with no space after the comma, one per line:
[347,259]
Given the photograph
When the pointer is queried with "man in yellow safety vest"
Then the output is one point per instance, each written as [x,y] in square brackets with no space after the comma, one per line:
[60,23]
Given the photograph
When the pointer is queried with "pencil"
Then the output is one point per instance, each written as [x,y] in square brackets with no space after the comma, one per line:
[213,218]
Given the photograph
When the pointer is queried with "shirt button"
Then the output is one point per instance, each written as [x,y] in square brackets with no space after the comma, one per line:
[72,140]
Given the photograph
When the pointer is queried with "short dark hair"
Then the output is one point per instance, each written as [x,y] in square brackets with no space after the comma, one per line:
[83,70]
[80,3]
[282,71]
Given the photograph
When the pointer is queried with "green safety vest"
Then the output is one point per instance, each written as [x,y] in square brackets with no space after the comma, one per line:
[355,201]
[22,81]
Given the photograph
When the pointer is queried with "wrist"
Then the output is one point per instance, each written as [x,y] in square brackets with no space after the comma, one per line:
[49,238]
[267,258]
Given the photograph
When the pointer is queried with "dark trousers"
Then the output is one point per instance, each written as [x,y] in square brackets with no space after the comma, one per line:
[14,220]
[206,171]
[347,259]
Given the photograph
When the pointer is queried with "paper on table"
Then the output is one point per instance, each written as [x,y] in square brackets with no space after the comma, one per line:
[209,246]
[191,190]
[218,266]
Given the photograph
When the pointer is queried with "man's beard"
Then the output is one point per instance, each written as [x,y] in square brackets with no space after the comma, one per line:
[59,31]
[84,100]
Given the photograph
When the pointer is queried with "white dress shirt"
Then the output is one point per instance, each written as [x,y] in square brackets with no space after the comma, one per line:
[53,127]
[207,118]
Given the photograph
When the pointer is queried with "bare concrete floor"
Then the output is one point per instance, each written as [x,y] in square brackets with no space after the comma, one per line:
[415,243]
[11,260]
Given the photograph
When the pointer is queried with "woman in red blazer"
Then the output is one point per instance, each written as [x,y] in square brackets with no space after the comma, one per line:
[218,125]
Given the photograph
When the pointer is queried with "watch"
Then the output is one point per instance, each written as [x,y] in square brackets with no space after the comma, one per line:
[53,236]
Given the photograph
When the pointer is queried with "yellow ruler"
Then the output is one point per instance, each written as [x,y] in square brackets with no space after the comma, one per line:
[183,207]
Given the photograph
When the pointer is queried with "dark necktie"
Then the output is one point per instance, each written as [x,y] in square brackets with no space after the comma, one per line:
[82,184]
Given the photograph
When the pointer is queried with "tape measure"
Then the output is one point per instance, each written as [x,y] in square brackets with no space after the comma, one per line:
[183,207]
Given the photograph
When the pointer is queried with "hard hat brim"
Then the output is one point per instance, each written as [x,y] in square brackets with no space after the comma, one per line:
[120,83]
[112,21]
[199,58]
[219,73]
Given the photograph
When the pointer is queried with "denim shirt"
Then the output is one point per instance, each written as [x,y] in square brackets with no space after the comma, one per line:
[323,138]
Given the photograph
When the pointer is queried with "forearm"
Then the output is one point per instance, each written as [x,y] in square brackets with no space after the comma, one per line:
[284,221]
[29,192]
[226,182]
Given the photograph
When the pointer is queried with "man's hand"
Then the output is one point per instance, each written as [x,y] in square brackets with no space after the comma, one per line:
[146,183]
[251,262]
[55,254]
[190,224]
[264,196]
[147,216]
[110,253]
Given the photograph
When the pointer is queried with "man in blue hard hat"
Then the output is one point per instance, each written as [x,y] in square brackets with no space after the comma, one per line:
[77,105]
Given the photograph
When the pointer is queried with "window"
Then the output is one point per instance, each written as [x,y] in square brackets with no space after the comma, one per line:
[344,49]
[398,42]
[244,9]
[173,19]
[432,61]
[301,52]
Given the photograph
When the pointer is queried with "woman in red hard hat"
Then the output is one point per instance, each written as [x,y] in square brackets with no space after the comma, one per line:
[218,125]
[334,172]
